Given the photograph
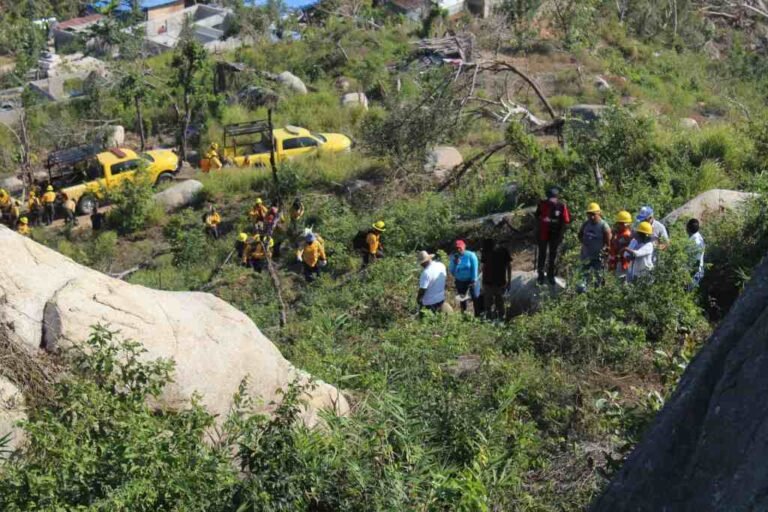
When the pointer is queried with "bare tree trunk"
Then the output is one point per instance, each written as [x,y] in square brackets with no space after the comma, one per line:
[272,162]
[26,167]
[140,122]
[276,285]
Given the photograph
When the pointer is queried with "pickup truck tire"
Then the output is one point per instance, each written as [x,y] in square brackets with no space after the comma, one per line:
[87,205]
[164,178]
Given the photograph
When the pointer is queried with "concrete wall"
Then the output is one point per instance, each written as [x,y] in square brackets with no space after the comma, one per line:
[165,11]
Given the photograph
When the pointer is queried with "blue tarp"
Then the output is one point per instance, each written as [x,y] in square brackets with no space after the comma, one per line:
[127,5]
[290,4]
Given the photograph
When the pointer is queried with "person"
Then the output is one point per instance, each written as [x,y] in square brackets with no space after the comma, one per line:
[5,206]
[553,218]
[260,249]
[660,237]
[431,296]
[497,273]
[23,227]
[312,257]
[618,263]
[212,220]
[595,238]
[49,205]
[240,245]
[297,210]
[374,249]
[258,213]
[98,219]
[213,157]
[69,207]
[14,213]
[34,208]
[697,248]
[640,252]
[464,269]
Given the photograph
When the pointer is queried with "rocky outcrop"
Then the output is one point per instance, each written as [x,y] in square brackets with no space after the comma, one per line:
[11,411]
[525,294]
[706,450]
[12,184]
[689,123]
[441,160]
[292,82]
[355,100]
[710,203]
[115,136]
[179,195]
[49,302]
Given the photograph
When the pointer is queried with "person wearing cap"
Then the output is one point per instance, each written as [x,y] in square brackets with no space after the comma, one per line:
[373,248]
[618,263]
[552,219]
[496,267]
[34,208]
[213,157]
[240,245]
[259,249]
[465,269]
[23,227]
[595,238]
[640,252]
[660,237]
[312,257]
[696,250]
[49,204]
[431,294]
[212,219]
[258,213]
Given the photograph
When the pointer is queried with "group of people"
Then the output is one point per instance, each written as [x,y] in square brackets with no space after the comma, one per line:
[628,249]
[41,208]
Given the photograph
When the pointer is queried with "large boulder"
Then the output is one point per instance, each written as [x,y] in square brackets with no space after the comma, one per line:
[292,82]
[12,184]
[525,294]
[710,203]
[689,123]
[50,302]
[179,195]
[706,449]
[355,100]
[115,136]
[441,160]
[11,411]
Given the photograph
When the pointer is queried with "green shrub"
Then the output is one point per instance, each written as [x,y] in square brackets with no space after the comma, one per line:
[134,206]
[188,242]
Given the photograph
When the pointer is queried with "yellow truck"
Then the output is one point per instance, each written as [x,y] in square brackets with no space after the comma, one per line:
[87,173]
[249,144]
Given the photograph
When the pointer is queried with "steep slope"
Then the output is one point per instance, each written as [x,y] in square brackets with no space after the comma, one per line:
[707,448]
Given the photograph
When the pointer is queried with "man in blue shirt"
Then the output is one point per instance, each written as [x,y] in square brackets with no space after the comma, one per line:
[464,268]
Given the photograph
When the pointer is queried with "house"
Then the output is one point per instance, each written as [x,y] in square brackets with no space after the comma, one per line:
[209,24]
[67,32]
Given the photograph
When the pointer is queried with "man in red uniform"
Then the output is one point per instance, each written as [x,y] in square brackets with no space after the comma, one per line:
[553,217]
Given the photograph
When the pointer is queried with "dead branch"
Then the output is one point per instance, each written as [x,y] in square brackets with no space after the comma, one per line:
[480,158]
[128,272]
[276,285]
[498,66]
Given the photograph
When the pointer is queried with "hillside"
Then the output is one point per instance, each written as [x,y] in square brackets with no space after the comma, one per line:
[621,103]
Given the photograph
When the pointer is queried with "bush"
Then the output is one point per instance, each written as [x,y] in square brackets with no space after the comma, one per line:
[134,204]
[188,242]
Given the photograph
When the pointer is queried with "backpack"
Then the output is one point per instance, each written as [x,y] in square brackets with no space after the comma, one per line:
[360,241]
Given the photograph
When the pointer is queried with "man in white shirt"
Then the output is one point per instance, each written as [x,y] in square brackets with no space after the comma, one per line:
[431,283]
[640,251]
[660,236]
[697,248]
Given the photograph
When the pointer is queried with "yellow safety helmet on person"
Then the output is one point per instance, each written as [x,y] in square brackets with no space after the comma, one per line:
[593,208]
[645,228]
[379,225]
[624,217]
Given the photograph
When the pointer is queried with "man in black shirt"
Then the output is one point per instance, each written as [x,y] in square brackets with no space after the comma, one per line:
[497,272]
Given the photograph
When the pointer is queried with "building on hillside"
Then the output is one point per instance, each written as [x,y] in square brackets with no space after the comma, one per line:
[418,9]
[209,23]
[152,9]
[67,32]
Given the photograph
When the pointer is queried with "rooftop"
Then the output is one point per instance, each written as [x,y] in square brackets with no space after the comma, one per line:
[79,22]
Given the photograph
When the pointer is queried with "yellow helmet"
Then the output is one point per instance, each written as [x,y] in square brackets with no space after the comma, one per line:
[24,220]
[379,225]
[645,228]
[242,237]
[32,194]
[257,237]
[49,188]
[593,208]
[624,217]
[259,201]
[214,146]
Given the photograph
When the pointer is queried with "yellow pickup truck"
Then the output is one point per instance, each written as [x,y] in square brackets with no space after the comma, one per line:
[248,144]
[86,174]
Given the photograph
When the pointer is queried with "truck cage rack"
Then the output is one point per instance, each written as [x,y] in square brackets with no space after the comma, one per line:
[71,156]
[234,130]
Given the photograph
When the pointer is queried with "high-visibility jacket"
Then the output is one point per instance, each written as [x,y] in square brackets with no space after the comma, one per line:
[33,203]
[23,229]
[312,253]
[213,219]
[5,200]
[254,250]
[70,205]
[297,213]
[373,240]
[49,198]
[258,212]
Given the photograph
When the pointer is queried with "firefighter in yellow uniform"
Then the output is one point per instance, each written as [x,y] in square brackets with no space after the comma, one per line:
[212,220]
[312,256]
[257,251]
[373,248]
[213,157]
[23,227]
[258,213]
[34,208]
[49,205]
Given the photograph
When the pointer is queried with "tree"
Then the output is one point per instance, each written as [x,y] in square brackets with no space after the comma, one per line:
[134,91]
[190,67]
